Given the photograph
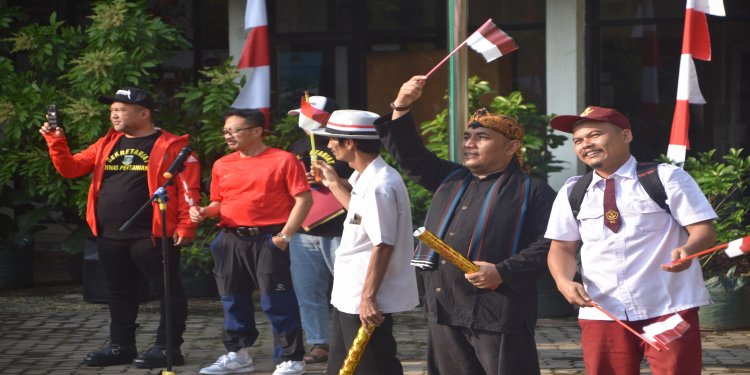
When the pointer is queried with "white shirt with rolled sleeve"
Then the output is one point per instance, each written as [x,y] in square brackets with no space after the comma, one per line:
[620,270]
[379,212]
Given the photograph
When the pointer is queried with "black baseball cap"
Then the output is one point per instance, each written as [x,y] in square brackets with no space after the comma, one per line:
[130,95]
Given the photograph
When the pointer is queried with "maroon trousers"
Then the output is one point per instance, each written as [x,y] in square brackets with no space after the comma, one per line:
[610,349]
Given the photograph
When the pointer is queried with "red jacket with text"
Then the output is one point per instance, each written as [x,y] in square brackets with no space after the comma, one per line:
[182,194]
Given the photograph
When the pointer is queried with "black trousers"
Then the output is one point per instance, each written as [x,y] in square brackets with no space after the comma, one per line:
[243,264]
[122,260]
[459,350]
[379,357]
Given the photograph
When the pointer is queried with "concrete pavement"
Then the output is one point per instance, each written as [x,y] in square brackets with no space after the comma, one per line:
[49,330]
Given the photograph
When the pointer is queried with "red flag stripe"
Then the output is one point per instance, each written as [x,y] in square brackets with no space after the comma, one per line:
[255,52]
[494,35]
[321,117]
[680,124]
[696,40]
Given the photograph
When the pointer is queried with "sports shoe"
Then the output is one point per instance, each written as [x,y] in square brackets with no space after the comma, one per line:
[156,356]
[230,363]
[290,368]
[111,355]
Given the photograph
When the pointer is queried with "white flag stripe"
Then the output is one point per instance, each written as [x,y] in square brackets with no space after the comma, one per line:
[255,14]
[307,123]
[733,249]
[687,83]
[676,153]
[257,86]
[479,43]
[652,330]
[713,7]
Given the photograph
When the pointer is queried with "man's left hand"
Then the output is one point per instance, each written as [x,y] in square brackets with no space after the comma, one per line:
[486,278]
[279,242]
[370,314]
[678,253]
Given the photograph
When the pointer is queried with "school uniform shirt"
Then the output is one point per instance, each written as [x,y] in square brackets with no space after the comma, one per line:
[621,270]
[379,213]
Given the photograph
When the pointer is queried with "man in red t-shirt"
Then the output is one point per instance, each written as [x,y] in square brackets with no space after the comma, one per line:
[261,196]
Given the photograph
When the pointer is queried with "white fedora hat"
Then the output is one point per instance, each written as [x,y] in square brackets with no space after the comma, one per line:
[350,123]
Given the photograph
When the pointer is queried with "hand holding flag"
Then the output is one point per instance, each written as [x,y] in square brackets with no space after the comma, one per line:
[488,40]
[733,249]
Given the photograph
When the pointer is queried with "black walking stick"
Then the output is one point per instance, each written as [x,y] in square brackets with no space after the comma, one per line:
[161,197]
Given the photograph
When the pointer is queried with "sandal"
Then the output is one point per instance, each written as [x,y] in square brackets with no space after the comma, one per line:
[318,353]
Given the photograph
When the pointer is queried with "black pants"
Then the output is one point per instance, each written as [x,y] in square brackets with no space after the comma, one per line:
[242,264]
[122,260]
[379,357]
[459,350]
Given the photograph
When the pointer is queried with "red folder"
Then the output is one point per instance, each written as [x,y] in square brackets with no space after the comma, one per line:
[324,208]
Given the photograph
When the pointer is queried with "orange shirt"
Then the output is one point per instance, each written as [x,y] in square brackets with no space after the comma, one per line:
[258,190]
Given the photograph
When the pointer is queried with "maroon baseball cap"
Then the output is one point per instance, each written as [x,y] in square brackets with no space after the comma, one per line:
[591,113]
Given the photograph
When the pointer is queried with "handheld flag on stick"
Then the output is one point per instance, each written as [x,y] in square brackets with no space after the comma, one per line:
[733,249]
[667,330]
[620,322]
[488,40]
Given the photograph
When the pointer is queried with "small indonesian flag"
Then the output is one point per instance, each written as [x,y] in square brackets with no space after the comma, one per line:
[310,116]
[738,247]
[667,330]
[491,42]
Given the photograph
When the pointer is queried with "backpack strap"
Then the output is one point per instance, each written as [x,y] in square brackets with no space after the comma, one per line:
[579,190]
[650,181]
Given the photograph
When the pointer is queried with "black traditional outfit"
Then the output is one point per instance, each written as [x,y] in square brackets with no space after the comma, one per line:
[499,219]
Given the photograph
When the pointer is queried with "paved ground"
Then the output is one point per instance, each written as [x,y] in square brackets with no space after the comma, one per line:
[48,330]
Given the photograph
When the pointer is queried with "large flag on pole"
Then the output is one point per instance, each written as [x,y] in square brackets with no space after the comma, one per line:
[256,94]
[696,43]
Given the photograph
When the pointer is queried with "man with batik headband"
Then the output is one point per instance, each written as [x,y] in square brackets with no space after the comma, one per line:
[495,214]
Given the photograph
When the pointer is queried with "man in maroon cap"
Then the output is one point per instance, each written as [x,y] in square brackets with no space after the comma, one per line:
[626,239]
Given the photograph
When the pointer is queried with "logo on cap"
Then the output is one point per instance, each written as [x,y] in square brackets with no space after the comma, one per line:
[124,92]
[587,111]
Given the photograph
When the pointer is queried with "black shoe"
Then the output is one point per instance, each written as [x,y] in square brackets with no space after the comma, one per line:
[156,356]
[111,355]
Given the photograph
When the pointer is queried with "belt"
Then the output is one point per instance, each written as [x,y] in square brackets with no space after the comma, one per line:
[255,231]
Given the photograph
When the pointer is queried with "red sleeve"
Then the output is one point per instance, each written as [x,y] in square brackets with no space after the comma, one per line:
[215,194]
[68,165]
[296,180]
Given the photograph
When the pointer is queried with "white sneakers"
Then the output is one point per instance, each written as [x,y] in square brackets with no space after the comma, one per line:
[231,363]
[290,368]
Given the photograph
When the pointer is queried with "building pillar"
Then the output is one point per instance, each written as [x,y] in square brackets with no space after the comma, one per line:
[565,74]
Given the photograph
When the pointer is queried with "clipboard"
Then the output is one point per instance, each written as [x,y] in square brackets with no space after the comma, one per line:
[324,208]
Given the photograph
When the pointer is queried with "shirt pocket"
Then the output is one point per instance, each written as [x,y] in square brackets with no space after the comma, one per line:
[648,217]
[591,223]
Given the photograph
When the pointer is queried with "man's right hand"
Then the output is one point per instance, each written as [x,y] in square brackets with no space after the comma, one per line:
[574,293]
[46,129]
[328,175]
[197,214]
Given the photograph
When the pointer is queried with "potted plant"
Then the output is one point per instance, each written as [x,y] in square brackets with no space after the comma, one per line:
[725,181]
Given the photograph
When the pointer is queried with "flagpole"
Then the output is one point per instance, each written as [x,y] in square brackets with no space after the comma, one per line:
[698,254]
[313,151]
[445,59]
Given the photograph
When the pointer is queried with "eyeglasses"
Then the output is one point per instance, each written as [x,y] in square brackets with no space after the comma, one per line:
[233,132]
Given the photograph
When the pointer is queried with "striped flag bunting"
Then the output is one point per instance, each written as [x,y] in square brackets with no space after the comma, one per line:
[696,43]
[255,59]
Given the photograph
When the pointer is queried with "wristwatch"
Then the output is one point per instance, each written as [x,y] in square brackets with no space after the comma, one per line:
[283,237]
[397,108]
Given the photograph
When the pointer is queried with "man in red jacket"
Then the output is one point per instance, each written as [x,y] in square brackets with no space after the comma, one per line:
[127,167]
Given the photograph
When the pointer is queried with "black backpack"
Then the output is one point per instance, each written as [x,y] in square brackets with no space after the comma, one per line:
[647,176]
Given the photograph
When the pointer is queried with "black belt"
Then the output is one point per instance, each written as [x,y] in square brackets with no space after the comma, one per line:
[255,231]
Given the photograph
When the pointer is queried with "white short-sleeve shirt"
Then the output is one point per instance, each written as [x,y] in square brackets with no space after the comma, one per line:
[620,270]
[379,213]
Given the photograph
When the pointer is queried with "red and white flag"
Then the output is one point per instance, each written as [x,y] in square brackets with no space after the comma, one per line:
[738,247]
[696,43]
[311,116]
[667,330]
[491,42]
[255,58]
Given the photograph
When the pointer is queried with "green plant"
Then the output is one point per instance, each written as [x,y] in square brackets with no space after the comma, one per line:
[725,181]
[537,142]
[70,66]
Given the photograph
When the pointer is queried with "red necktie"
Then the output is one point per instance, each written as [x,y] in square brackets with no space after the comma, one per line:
[612,217]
